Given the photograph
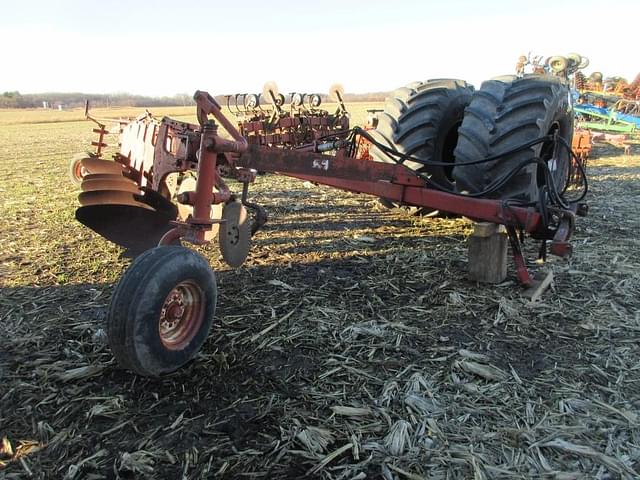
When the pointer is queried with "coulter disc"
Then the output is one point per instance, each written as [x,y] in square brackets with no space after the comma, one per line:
[336,92]
[106,176]
[111,197]
[121,184]
[270,88]
[235,234]
[97,165]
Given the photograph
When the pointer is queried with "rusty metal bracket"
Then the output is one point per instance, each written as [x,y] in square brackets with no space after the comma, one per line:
[560,245]
[518,258]
[207,105]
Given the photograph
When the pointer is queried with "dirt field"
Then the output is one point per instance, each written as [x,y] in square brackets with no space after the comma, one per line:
[349,346]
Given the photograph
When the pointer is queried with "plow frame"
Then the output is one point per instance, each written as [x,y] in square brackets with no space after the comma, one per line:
[150,151]
[241,160]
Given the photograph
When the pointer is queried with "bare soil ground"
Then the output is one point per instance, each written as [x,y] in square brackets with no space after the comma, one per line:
[349,346]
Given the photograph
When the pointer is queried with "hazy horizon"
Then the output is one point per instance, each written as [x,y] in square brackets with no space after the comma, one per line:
[258,89]
[164,49]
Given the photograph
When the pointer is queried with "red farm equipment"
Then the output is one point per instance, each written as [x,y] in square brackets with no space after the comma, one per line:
[500,154]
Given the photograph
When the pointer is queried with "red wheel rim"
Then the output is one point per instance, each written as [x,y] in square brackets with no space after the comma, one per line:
[79,171]
[181,315]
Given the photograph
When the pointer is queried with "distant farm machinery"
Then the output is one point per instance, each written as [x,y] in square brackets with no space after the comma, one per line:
[606,91]
[611,105]
[560,66]
[606,108]
[501,155]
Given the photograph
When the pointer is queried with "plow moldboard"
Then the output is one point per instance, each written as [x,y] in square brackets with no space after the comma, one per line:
[135,228]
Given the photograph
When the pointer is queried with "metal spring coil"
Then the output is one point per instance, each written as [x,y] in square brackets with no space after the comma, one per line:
[580,80]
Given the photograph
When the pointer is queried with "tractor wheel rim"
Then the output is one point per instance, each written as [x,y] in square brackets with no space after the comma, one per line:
[80,171]
[181,315]
[234,235]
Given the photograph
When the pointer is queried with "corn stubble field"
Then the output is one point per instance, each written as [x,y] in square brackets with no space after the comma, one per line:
[349,346]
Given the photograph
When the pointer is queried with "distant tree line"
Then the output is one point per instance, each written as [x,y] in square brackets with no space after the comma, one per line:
[77,99]
[10,100]
[366,97]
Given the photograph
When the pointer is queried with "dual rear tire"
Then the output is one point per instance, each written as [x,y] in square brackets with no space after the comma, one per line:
[506,113]
[421,120]
[446,121]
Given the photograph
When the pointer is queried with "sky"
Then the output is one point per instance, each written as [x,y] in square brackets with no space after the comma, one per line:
[166,47]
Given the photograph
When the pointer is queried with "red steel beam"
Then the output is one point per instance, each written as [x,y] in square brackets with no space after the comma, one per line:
[385,180]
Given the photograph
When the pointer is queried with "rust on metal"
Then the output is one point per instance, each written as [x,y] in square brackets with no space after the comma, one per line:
[110,197]
[148,196]
[119,184]
[181,315]
[235,234]
[97,165]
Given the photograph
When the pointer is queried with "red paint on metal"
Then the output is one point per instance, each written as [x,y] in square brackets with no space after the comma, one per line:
[206,177]
[181,315]
[151,150]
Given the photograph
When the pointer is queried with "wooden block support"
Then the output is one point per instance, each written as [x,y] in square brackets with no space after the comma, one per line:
[488,253]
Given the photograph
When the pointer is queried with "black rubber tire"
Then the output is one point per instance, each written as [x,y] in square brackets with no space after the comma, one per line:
[133,330]
[422,119]
[120,302]
[505,113]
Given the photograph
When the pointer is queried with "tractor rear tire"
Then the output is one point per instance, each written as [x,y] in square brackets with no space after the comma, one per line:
[422,120]
[504,114]
[161,310]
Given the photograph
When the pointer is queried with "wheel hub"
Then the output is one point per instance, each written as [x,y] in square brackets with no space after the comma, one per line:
[80,170]
[181,315]
[233,235]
